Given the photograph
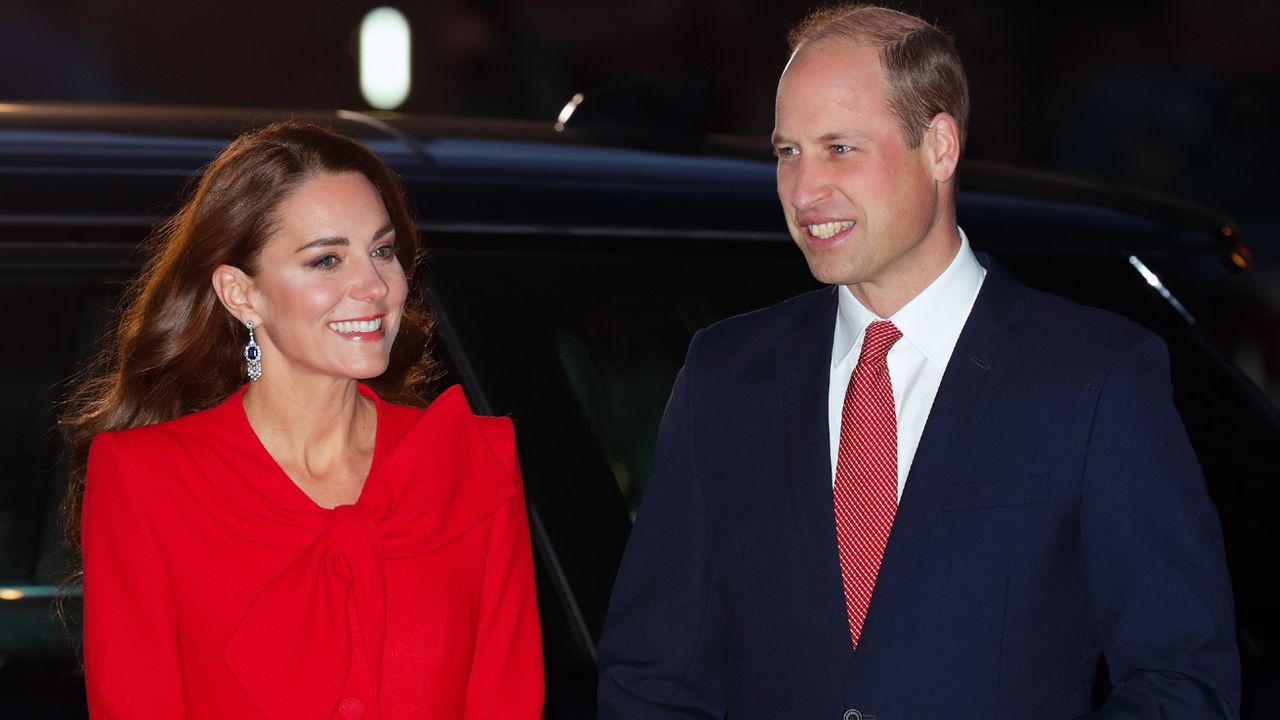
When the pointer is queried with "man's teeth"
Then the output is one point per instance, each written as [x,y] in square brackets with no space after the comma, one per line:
[347,327]
[826,230]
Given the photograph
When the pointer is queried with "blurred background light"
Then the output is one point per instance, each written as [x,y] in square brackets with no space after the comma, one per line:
[567,111]
[384,58]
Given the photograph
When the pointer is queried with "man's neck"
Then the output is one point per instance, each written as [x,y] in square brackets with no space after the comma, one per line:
[886,296]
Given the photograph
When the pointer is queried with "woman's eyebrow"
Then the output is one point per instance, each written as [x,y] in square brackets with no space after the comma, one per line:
[336,240]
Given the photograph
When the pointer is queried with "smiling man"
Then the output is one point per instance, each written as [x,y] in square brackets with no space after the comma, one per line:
[926,491]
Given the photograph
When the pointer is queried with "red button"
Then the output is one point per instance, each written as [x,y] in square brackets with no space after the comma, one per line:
[351,708]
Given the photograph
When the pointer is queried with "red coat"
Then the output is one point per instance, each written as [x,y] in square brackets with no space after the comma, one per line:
[215,588]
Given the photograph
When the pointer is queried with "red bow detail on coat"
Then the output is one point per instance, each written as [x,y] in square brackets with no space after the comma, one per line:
[429,489]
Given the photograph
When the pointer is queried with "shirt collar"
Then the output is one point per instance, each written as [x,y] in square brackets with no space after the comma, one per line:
[931,321]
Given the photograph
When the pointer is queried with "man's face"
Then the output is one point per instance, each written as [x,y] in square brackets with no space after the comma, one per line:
[864,208]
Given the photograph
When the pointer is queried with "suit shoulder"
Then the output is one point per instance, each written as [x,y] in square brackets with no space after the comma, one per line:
[765,326]
[1081,332]
[1072,317]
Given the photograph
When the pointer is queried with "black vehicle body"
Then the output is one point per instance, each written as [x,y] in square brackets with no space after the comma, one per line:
[567,276]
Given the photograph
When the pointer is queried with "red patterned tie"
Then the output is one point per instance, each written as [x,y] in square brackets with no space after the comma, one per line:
[866,489]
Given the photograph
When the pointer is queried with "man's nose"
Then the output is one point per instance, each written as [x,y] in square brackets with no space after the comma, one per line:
[810,184]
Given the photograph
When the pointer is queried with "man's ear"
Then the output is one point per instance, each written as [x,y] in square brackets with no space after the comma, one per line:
[234,289]
[942,143]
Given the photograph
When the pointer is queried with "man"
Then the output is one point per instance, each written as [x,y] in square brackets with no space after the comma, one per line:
[927,491]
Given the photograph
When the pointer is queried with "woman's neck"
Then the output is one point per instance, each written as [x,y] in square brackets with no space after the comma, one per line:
[321,434]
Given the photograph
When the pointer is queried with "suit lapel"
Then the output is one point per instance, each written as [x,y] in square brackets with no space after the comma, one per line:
[983,354]
[803,370]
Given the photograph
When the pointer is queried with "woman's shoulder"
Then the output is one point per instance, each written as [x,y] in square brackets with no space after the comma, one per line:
[153,441]
[498,433]
[450,407]
[449,419]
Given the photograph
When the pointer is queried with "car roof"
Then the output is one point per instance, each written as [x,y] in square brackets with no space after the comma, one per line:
[129,164]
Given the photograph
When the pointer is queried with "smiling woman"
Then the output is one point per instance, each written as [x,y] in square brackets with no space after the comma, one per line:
[273,548]
[327,280]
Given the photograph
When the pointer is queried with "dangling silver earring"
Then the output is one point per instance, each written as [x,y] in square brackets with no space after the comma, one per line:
[252,355]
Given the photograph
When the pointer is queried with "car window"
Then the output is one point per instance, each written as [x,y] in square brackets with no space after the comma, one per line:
[608,328]
[59,296]
[1189,267]
[1234,309]
[579,340]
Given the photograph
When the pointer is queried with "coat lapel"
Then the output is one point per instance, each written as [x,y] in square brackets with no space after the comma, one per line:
[983,354]
[803,369]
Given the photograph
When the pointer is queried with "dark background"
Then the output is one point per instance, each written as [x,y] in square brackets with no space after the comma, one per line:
[1176,96]
[1181,97]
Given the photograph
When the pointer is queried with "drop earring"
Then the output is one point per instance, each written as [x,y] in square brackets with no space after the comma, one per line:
[252,355]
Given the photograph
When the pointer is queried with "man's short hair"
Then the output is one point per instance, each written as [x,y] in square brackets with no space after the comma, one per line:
[921,67]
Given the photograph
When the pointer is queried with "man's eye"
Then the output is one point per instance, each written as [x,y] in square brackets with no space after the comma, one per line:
[842,149]
[785,152]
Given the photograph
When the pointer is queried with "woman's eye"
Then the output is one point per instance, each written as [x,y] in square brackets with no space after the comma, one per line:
[324,263]
[384,252]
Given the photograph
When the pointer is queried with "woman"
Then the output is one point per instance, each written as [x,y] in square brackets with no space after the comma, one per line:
[301,545]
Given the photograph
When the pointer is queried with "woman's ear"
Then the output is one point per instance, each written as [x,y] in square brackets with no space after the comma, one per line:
[235,290]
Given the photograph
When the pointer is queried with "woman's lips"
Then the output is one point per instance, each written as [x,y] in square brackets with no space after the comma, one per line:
[370,328]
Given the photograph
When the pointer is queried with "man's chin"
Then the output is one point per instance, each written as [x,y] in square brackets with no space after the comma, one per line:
[827,273]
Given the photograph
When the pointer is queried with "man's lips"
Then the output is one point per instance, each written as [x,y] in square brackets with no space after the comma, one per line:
[826,233]
[826,230]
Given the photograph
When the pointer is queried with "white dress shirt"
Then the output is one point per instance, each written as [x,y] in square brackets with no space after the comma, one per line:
[930,324]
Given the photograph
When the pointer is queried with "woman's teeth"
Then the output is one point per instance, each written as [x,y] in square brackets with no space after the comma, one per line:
[350,327]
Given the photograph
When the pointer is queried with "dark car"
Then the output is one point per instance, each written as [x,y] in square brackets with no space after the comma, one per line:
[567,274]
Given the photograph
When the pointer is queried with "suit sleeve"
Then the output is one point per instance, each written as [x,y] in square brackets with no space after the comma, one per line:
[506,677]
[130,628]
[663,649]
[1156,569]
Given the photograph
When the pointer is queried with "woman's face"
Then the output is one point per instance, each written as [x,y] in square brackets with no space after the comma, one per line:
[329,288]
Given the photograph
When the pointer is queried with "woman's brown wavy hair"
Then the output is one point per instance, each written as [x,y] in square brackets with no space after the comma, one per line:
[173,349]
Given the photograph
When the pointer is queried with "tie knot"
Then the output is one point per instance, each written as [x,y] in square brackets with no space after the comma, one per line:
[881,335]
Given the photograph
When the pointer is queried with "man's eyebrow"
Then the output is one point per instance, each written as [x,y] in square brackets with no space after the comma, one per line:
[830,136]
[840,135]
[334,241]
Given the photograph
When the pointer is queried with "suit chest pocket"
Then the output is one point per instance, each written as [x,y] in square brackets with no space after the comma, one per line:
[1000,492]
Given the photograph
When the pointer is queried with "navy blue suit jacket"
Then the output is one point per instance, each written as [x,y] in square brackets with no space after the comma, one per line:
[1054,513]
